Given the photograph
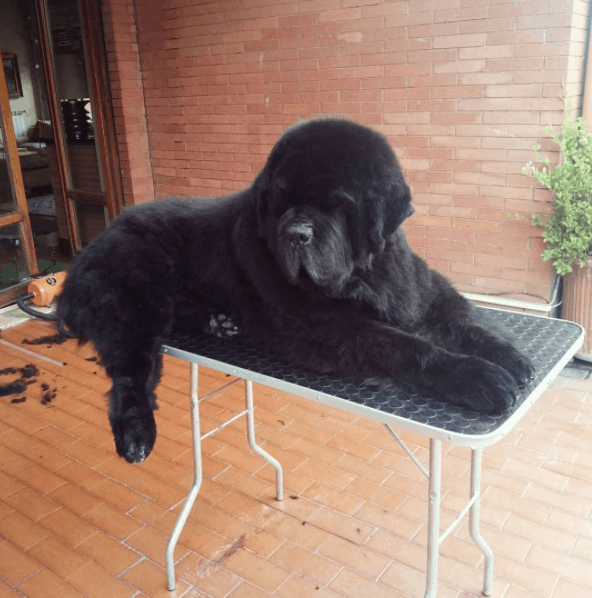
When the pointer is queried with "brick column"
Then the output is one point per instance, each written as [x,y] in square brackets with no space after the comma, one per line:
[123,57]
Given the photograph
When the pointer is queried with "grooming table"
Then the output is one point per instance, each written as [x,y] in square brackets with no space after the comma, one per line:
[548,342]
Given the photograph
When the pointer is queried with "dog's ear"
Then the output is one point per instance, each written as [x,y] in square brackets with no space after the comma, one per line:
[388,212]
[261,191]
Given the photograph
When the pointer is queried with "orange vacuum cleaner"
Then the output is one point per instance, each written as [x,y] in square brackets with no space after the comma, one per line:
[41,292]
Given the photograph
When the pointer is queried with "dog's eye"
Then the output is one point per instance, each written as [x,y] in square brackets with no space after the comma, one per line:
[342,199]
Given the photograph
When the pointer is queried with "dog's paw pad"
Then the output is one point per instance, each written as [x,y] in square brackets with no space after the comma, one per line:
[221,326]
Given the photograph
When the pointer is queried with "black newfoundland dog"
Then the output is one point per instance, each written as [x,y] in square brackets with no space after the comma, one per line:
[309,260]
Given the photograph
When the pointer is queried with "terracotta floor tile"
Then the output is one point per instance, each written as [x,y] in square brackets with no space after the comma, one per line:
[202,541]
[353,585]
[14,564]
[112,521]
[296,531]
[18,441]
[388,520]
[11,462]
[8,485]
[95,582]
[117,495]
[151,579]
[6,592]
[243,482]
[31,504]
[297,506]
[459,549]
[21,531]
[58,557]
[561,520]
[574,505]
[583,548]
[59,419]
[340,501]
[315,450]
[87,454]
[298,587]
[398,549]
[411,582]
[206,576]
[152,544]
[247,590]
[539,533]
[262,543]
[46,584]
[362,469]
[535,578]
[500,541]
[325,474]
[94,435]
[24,422]
[364,561]
[348,446]
[303,562]
[81,475]
[247,461]
[342,526]
[108,552]
[68,527]
[294,483]
[376,494]
[504,482]
[568,589]
[148,511]
[48,457]
[260,572]
[40,479]
[573,568]
[74,498]
[54,437]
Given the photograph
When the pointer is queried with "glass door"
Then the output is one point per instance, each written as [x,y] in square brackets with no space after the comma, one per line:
[82,148]
[17,253]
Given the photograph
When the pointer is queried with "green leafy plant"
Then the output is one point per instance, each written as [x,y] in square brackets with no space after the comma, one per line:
[568,234]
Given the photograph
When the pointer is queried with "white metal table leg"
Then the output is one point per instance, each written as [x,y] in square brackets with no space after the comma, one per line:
[279,475]
[434,518]
[169,553]
[474,520]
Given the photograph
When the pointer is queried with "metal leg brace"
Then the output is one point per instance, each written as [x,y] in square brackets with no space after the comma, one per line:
[434,538]
[197,461]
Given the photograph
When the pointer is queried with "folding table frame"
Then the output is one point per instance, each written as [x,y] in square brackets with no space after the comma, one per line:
[549,343]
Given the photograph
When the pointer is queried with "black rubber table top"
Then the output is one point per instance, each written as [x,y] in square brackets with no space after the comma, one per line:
[545,340]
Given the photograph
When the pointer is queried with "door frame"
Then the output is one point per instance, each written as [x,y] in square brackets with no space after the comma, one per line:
[15,175]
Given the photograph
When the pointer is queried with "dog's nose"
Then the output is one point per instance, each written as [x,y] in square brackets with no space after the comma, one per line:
[299,233]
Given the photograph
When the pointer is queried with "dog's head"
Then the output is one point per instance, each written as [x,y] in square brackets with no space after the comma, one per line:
[330,195]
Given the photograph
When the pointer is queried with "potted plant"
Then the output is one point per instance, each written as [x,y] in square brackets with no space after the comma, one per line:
[568,234]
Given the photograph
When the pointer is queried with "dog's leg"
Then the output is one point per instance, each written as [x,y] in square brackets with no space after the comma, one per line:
[453,327]
[135,369]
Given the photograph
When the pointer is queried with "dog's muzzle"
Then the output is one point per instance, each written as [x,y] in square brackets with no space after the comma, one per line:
[299,233]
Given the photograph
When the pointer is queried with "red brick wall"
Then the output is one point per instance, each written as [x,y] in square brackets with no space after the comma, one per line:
[449,82]
[123,56]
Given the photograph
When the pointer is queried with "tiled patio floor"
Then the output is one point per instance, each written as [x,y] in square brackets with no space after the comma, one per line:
[76,520]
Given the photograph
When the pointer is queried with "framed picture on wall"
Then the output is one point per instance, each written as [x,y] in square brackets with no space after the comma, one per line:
[13,77]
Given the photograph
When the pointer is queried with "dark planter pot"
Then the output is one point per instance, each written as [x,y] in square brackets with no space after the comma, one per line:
[577,304]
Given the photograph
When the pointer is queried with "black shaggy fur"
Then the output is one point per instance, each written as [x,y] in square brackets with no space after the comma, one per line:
[310,260]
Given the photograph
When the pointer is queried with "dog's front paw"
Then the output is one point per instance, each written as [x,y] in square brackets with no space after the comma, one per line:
[135,433]
[519,366]
[479,385]
[221,326]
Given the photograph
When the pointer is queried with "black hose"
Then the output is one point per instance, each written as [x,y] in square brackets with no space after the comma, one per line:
[37,314]
[33,312]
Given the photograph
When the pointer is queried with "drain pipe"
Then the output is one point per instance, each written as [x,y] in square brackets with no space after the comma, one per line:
[518,303]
